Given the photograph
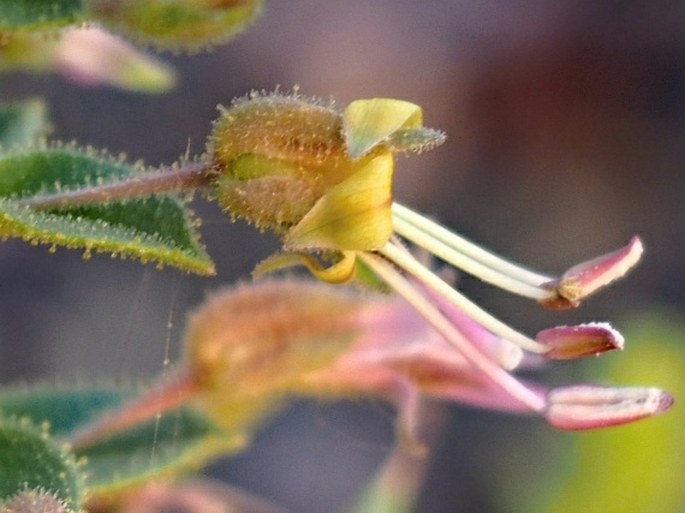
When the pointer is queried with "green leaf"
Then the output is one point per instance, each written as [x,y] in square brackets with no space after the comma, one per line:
[179,441]
[39,14]
[30,459]
[21,123]
[154,228]
[176,24]
[64,408]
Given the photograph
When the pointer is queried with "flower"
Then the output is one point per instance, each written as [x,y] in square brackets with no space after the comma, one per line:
[322,179]
[248,348]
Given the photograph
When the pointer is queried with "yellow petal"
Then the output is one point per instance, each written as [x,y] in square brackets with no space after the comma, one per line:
[340,272]
[367,123]
[354,215]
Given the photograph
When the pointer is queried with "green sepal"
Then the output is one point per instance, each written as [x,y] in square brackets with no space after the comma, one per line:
[39,14]
[180,441]
[153,228]
[30,459]
[21,123]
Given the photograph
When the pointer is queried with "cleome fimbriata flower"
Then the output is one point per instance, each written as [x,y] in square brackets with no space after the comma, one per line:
[321,179]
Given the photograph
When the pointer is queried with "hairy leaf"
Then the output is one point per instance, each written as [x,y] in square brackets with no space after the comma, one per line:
[39,14]
[31,459]
[180,440]
[176,24]
[155,228]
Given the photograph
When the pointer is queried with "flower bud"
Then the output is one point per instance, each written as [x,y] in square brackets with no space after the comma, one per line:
[251,346]
[320,178]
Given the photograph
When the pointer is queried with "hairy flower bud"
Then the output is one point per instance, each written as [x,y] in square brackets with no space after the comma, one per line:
[250,346]
[276,156]
[320,178]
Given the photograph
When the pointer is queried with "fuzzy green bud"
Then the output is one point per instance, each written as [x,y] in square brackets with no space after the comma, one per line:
[320,178]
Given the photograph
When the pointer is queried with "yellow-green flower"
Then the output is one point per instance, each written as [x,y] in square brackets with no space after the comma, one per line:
[322,180]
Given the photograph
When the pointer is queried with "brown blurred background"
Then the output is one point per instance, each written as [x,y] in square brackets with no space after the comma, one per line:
[566,125]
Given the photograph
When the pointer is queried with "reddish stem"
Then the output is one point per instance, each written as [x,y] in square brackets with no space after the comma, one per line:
[168,180]
[164,397]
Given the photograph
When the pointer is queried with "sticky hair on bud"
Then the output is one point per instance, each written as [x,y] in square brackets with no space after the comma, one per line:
[320,178]
[251,345]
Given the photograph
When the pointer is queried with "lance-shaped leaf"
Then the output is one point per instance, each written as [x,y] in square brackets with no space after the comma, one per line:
[154,228]
[180,440]
[31,460]
[39,14]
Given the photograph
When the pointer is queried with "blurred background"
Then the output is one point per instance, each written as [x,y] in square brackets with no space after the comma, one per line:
[566,126]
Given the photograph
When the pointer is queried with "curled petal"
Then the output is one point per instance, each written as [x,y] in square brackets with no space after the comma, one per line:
[588,406]
[583,279]
[569,342]
[341,271]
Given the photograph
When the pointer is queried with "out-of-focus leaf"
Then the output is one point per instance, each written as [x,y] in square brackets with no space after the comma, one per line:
[64,408]
[179,441]
[176,24]
[21,123]
[637,467]
[39,14]
[154,228]
[31,460]
[167,24]
[88,56]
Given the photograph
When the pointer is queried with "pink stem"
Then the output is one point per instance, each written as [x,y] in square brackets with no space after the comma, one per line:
[164,397]
[156,182]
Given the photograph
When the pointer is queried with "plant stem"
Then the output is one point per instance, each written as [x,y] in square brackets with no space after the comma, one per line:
[167,180]
[163,397]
